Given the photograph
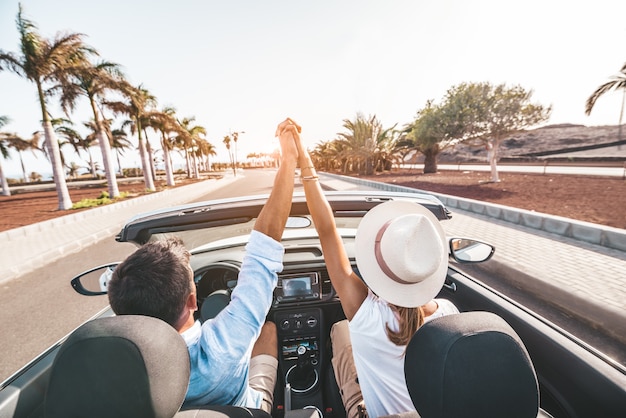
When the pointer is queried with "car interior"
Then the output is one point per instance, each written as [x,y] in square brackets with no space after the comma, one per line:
[495,358]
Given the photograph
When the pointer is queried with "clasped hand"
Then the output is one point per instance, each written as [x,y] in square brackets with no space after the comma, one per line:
[288,132]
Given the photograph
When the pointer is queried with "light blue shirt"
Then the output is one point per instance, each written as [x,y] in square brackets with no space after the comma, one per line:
[220,348]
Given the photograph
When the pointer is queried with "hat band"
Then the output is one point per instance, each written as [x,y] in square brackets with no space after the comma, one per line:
[379,256]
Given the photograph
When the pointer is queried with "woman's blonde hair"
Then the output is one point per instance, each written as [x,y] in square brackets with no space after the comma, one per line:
[409,320]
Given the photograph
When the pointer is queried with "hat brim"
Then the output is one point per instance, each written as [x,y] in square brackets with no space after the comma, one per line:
[406,295]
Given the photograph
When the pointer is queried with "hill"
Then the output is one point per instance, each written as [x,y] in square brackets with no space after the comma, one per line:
[564,141]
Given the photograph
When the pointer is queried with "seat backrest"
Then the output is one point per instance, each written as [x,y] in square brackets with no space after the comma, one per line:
[471,364]
[121,366]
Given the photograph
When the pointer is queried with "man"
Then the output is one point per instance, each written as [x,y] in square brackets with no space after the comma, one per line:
[234,356]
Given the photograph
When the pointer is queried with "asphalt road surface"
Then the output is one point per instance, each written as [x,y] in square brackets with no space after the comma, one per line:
[40,308]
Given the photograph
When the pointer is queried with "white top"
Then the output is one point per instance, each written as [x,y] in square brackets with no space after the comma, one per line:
[379,362]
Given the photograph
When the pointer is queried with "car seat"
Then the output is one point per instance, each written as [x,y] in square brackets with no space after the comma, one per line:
[471,364]
[125,366]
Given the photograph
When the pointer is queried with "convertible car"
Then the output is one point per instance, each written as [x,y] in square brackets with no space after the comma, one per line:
[495,358]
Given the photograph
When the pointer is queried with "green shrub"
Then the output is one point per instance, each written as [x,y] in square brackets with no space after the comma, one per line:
[103,199]
[90,203]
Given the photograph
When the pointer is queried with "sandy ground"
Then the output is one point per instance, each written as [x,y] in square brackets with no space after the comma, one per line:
[599,200]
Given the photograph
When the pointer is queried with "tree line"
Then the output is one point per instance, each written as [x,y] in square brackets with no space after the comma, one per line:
[65,68]
[479,114]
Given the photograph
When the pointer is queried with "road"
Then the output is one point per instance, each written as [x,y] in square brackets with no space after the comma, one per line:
[40,308]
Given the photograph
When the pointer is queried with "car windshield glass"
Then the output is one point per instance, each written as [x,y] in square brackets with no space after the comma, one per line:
[197,240]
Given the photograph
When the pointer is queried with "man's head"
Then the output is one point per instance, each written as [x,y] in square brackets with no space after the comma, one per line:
[156,280]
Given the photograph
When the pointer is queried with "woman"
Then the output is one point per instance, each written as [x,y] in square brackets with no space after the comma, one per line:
[401,254]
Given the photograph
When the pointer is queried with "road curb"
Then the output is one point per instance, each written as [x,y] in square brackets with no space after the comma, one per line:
[602,235]
[602,317]
[30,247]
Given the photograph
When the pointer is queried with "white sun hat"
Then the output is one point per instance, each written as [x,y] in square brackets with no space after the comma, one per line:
[401,253]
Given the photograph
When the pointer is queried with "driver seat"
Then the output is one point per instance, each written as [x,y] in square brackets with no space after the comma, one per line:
[471,364]
[125,366]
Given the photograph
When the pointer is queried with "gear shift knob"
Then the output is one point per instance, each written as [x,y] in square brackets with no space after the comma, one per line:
[303,358]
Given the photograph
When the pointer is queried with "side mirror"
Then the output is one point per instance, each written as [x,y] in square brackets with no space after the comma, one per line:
[94,282]
[466,250]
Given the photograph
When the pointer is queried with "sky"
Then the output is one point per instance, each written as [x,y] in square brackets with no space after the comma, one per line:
[245,65]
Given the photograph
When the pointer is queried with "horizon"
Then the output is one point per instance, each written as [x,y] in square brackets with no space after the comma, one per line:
[244,66]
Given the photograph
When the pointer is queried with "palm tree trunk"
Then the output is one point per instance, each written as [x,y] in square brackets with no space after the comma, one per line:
[51,143]
[119,165]
[188,163]
[195,166]
[65,202]
[23,167]
[5,184]
[621,115]
[150,157]
[169,174]
[105,150]
[232,162]
[92,165]
[145,164]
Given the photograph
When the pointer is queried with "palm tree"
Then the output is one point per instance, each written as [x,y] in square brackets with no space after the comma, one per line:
[617,82]
[64,129]
[119,142]
[93,81]
[4,153]
[46,62]
[226,142]
[165,122]
[87,142]
[72,169]
[150,120]
[323,155]
[333,155]
[187,138]
[12,140]
[137,104]
[206,149]
[388,149]
[20,145]
[235,138]
[362,139]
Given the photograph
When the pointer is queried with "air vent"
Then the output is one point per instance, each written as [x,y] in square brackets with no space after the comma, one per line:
[325,279]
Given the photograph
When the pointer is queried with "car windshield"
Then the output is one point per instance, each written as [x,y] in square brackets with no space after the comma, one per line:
[204,239]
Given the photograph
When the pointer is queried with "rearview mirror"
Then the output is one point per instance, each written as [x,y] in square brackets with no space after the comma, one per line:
[94,282]
[466,250]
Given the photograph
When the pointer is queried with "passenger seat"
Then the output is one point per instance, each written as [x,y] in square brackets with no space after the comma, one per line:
[471,364]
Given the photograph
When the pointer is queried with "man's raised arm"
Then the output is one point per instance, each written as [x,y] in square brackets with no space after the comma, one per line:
[273,216]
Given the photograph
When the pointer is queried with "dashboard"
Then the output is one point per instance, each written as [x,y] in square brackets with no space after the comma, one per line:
[292,287]
[304,308]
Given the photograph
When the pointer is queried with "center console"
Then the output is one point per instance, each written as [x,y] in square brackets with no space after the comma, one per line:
[300,351]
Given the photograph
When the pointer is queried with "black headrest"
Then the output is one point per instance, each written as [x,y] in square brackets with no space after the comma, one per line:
[471,364]
[122,366]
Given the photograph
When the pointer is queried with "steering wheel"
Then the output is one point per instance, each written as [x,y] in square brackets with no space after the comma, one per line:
[214,303]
